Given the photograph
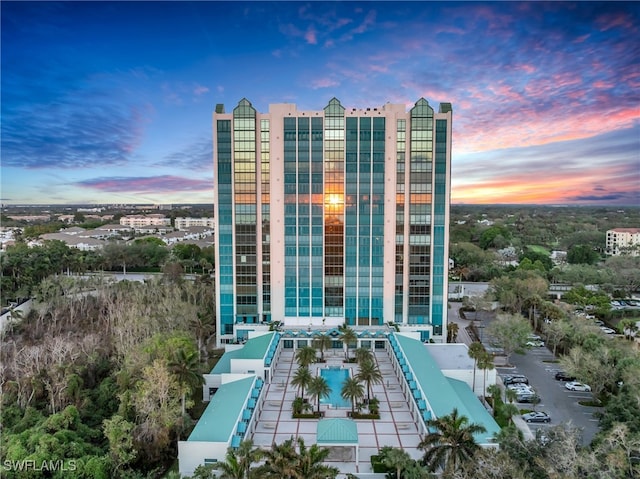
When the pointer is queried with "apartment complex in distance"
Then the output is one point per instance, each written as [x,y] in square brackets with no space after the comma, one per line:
[623,241]
[145,220]
[333,216]
[184,223]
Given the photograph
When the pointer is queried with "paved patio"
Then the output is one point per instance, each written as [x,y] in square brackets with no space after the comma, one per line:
[396,426]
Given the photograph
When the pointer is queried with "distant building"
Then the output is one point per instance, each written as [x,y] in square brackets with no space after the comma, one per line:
[145,220]
[184,223]
[623,241]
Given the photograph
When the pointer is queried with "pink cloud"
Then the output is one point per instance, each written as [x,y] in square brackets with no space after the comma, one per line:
[323,83]
[310,36]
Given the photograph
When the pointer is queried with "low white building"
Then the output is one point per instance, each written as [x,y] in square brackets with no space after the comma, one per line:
[184,223]
[145,220]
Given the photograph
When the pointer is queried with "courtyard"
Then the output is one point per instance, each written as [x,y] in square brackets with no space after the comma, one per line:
[396,426]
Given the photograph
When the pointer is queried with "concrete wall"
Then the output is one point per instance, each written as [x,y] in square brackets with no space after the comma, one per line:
[192,454]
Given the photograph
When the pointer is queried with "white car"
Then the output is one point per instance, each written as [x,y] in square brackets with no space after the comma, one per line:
[604,329]
[576,386]
[535,343]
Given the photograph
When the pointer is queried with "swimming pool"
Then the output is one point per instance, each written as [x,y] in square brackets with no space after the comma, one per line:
[335,378]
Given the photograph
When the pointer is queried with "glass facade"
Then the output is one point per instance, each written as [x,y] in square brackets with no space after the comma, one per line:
[334,153]
[245,209]
[331,176]
[419,241]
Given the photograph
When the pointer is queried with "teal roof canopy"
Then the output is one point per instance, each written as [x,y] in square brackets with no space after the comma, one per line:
[444,394]
[337,431]
[254,348]
[219,419]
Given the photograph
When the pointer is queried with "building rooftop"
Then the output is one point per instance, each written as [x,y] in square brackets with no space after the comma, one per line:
[444,394]
[451,355]
[254,348]
[219,419]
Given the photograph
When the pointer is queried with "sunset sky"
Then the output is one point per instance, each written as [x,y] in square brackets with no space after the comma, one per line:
[111,102]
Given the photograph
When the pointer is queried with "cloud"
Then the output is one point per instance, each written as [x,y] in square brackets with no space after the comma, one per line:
[198,156]
[146,185]
[71,133]
[323,83]
[200,90]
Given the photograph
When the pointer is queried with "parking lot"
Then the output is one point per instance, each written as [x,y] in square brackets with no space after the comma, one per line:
[561,404]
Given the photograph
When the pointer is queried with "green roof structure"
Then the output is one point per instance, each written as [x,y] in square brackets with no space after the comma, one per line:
[444,394]
[219,419]
[254,348]
[337,431]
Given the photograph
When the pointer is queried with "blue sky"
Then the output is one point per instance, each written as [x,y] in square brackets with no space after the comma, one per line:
[111,102]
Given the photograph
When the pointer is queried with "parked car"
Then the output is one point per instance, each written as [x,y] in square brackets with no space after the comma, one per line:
[513,379]
[604,329]
[534,337]
[576,386]
[519,387]
[536,416]
[599,322]
[528,398]
[562,376]
[535,343]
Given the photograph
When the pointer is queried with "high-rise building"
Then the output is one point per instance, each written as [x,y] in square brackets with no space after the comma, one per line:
[332,216]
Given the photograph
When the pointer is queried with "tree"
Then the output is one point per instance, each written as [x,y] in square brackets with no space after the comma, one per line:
[319,388]
[395,458]
[305,356]
[302,379]
[322,342]
[485,362]
[353,391]
[237,463]
[118,432]
[362,355]
[369,373]
[596,368]
[452,332]
[628,327]
[451,442]
[185,365]
[282,461]
[348,336]
[475,351]
[582,254]
[510,332]
[311,462]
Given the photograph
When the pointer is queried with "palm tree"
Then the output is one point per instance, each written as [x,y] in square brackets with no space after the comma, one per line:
[347,336]
[510,395]
[485,362]
[451,443]
[363,354]
[475,351]
[301,378]
[352,390]
[311,462]
[509,410]
[186,366]
[281,462]
[305,355]
[395,458]
[495,392]
[284,462]
[319,388]
[369,373]
[452,332]
[237,464]
[322,342]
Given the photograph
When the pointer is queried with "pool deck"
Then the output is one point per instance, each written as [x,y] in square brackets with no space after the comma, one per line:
[396,426]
